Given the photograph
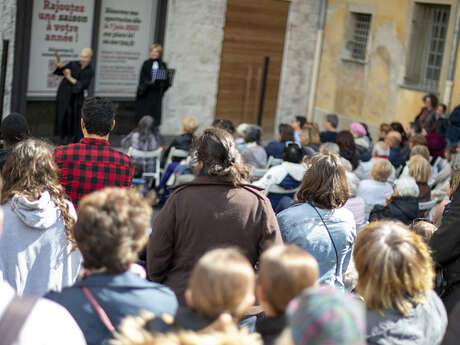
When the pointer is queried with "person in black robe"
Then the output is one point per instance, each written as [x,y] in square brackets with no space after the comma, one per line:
[70,96]
[153,83]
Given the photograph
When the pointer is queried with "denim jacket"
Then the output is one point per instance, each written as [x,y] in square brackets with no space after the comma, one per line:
[301,225]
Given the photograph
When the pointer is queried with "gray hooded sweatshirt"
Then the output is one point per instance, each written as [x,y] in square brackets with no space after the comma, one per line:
[35,255]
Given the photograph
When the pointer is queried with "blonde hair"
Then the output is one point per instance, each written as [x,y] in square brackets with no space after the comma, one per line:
[423,229]
[87,52]
[310,135]
[285,271]
[221,281]
[394,265]
[419,169]
[381,170]
[190,124]
[420,150]
[157,46]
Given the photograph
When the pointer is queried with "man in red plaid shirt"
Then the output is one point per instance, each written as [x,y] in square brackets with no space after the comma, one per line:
[92,163]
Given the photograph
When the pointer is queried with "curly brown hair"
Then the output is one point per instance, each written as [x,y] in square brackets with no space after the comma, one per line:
[112,228]
[29,171]
[217,152]
[325,183]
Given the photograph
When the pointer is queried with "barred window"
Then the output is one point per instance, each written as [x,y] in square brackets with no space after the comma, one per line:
[361,27]
[428,40]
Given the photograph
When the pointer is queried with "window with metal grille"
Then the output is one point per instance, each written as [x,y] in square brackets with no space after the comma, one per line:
[361,27]
[429,31]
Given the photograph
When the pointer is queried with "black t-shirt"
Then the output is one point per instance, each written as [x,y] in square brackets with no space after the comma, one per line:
[328,137]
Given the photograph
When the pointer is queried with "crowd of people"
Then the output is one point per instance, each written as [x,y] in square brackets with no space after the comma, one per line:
[326,237]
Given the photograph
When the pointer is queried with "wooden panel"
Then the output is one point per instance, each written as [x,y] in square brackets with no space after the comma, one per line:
[254,30]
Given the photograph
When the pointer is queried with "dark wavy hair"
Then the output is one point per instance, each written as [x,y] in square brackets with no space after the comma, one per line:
[98,114]
[216,150]
[324,184]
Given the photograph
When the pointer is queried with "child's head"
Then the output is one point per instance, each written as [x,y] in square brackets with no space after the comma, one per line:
[285,271]
[384,129]
[189,124]
[450,150]
[423,229]
[223,280]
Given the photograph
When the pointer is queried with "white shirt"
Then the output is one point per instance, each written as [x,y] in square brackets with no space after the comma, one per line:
[374,192]
[47,324]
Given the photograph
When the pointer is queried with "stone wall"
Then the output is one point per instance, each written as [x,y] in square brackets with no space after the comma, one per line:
[193,45]
[299,51]
[7,30]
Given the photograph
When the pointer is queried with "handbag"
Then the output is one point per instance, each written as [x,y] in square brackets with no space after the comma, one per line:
[14,318]
[99,310]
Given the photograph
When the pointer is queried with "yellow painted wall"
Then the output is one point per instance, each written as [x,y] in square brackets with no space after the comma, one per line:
[372,92]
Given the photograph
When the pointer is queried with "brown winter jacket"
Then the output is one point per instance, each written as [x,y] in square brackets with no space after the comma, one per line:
[204,214]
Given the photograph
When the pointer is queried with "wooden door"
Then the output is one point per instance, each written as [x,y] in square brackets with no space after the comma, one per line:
[253,30]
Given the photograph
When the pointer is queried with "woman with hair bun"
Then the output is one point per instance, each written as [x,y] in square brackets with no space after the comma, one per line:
[217,209]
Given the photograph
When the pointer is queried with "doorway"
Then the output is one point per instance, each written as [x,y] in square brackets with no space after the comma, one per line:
[254,34]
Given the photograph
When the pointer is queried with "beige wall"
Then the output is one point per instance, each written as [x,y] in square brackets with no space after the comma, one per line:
[372,91]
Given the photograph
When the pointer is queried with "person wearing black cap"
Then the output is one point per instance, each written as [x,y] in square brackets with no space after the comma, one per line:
[14,128]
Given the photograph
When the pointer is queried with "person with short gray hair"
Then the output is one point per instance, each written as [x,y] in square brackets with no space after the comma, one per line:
[402,205]
[254,154]
[329,147]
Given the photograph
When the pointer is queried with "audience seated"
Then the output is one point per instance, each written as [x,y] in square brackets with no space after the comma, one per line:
[443,171]
[275,149]
[331,123]
[417,139]
[319,223]
[284,179]
[326,316]
[35,320]
[93,164]
[284,272]
[379,151]
[110,232]
[402,205]
[309,139]
[254,154]
[396,282]
[393,140]
[375,190]
[226,125]
[355,203]
[239,136]
[420,170]
[297,123]
[14,128]
[398,127]
[383,130]
[329,147]
[348,148]
[185,140]
[143,139]
[218,208]
[36,246]
[362,142]
[424,229]
[453,184]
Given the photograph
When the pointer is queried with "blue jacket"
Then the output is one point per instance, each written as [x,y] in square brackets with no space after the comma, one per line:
[119,295]
[301,225]
[275,149]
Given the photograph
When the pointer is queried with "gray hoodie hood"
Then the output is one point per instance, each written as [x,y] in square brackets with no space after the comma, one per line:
[40,214]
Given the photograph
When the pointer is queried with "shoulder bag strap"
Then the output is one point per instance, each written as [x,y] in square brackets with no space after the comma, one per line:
[14,318]
[333,243]
[99,310]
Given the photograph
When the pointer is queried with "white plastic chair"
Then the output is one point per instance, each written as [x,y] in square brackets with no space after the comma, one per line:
[156,174]
[173,152]
[272,161]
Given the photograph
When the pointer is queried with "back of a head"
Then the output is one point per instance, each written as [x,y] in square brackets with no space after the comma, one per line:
[112,228]
[223,280]
[346,141]
[381,149]
[14,128]
[423,229]
[417,139]
[324,315]
[329,147]
[293,153]
[310,135]
[420,150]
[286,132]
[398,127]
[333,120]
[285,271]
[384,128]
[302,120]
[324,184]
[407,186]
[217,152]
[190,124]
[98,115]
[252,134]
[353,183]
[394,265]
[394,138]
[226,125]
[381,170]
[419,169]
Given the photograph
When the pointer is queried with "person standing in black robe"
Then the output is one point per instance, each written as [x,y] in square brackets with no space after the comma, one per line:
[153,83]
[70,96]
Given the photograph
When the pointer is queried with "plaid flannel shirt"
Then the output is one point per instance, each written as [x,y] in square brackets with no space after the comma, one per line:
[90,165]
